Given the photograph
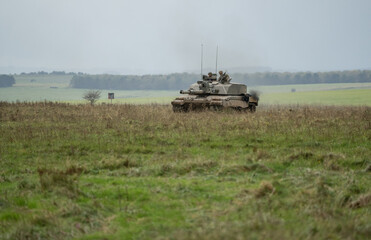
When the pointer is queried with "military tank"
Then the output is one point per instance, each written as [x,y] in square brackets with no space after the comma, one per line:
[215,94]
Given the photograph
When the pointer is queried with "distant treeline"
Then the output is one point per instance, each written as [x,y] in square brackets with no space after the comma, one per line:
[133,82]
[6,81]
[51,73]
[183,80]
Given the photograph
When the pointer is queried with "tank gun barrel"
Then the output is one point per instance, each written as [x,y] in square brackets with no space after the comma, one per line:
[192,92]
[184,92]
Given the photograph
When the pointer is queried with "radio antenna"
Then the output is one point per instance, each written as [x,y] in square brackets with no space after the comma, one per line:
[216,60]
[202,55]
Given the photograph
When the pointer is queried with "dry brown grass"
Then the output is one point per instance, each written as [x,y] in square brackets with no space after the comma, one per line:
[66,179]
[265,189]
[362,201]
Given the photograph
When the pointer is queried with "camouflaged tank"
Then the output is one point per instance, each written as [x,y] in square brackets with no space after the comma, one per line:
[209,93]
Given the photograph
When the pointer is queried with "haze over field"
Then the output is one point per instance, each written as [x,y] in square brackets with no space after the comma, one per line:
[141,37]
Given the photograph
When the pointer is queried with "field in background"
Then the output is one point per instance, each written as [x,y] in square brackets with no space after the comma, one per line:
[335,97]
[74,95]
[338,97]
[55,88]
[144,172]
[45,81]
[311,87]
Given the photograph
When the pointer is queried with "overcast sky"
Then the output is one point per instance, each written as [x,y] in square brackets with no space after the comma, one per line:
[163,36]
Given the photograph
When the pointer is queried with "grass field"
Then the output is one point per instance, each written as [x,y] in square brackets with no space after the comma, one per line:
[271,95]
[144,172]
[326,94]
[311,87]
[336,97]
[14,94]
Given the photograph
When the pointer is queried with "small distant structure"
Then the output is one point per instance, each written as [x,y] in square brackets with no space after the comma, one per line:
[111,96]
[53,87]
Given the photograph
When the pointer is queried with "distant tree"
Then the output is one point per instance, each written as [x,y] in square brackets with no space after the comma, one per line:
[6,81]
[58,73]
[92,96]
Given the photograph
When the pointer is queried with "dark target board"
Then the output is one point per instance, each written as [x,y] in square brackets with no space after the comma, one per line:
[111,96]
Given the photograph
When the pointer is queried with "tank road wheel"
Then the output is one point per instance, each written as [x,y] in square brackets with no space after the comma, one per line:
[252,107]
[180,108]
[239,109]
[185,108]
[216,108]
[177,108]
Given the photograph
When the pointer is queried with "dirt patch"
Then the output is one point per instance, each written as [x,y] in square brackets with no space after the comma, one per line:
[301,155]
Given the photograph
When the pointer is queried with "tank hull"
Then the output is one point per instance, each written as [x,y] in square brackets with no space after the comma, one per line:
[214,102]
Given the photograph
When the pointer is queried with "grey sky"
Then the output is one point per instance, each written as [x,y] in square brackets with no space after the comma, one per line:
[162,36]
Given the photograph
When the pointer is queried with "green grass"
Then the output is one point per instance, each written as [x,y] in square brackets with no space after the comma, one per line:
[326,94]
[14,94]
[337,97]
[144,172]
[311,87]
